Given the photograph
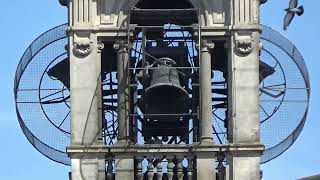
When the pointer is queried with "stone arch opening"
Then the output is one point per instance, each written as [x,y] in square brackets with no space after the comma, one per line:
[164,4]
[158,13]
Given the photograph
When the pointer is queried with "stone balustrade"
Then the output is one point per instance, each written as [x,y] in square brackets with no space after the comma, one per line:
[158,168]
[162,162]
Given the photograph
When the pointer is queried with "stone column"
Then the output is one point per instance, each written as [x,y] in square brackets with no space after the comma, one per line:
[101,160]
[205,165]
[123,107]
[205,92]
[124,165]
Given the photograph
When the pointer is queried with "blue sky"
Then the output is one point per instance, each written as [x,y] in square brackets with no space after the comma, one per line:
[23,21]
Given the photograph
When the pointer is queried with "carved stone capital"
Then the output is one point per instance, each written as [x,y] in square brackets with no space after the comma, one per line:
[206,46]
[121,46]
[82,48]
[244,43]
[100,46]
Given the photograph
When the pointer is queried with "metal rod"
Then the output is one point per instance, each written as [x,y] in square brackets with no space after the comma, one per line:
[182,114]
[163,67]
[177,38]
[139,26]
[292,101]
[41,89]
[166,10]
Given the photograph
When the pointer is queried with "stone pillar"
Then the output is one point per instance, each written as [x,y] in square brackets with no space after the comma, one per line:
[123,107]
[205,165]
[205,168]
[124,165]
[243,85]
[85,87]
[101,160]
[244,88]
[85,68]
[86,167]
[205,92]
[243,99]
[125,168]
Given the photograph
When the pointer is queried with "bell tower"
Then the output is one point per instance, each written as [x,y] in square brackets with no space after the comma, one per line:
[147,76]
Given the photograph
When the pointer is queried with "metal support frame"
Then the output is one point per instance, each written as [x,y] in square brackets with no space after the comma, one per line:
[144,55]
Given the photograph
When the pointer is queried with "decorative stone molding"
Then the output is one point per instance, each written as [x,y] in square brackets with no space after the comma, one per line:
[213,12]
[206,46]
[245,12]
[121,46]
[82,48]
[115,12]
[82,12]
[244,43]
[100,46]
[209,45]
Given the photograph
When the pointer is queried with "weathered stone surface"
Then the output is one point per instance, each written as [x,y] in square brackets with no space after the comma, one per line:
[236,21]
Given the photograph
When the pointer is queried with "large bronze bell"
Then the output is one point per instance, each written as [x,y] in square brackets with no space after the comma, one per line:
[165,99]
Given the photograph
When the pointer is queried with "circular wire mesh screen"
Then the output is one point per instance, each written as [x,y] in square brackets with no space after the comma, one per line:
[42,101]
[284,95]
[45,124]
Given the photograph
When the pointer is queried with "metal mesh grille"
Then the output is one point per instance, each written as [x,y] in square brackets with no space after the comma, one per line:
[32,87]
[280,131]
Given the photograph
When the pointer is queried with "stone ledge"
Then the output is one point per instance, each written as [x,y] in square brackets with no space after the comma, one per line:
[163,150]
